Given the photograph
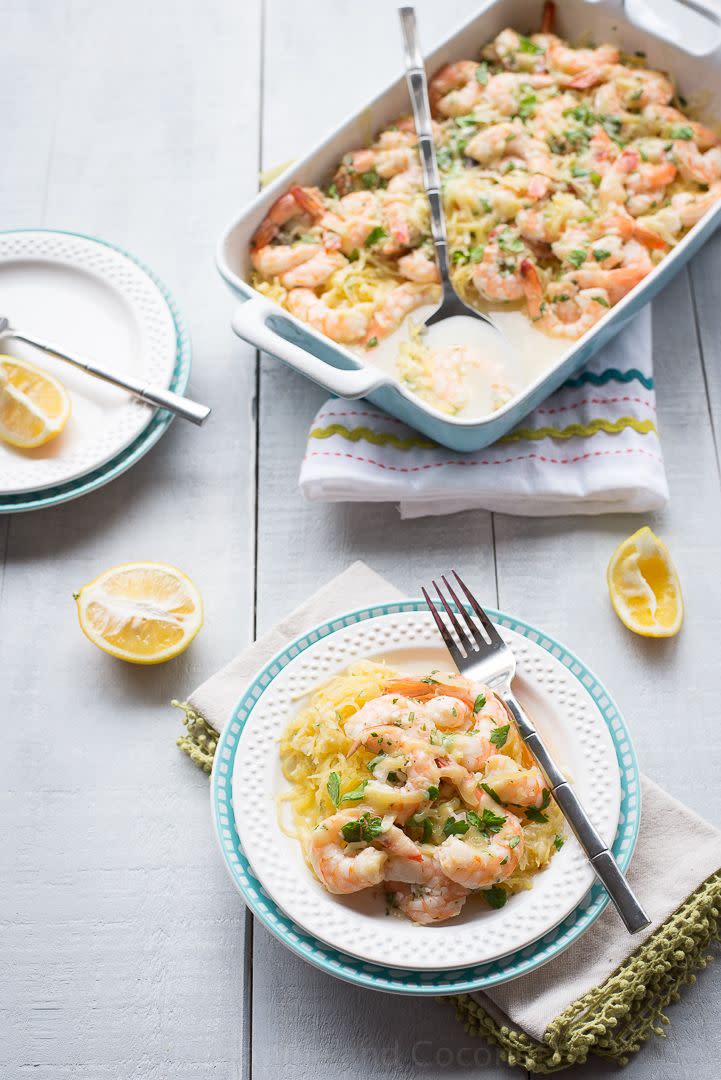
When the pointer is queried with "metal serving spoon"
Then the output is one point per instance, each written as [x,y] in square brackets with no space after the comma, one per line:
[158,396]
[451,303]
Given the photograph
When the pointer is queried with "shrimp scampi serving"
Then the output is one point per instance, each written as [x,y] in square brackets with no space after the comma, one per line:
[418,787]
[539,142]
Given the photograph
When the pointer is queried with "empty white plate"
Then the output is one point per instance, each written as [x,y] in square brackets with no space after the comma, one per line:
[90,299]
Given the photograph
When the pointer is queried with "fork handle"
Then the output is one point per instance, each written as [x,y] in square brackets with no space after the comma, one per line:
[601,859]
[418,90]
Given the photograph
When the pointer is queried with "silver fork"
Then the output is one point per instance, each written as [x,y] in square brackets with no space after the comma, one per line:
[481,653]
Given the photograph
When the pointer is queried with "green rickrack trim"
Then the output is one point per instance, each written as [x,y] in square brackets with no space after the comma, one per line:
[387,438]
[611,427]
[590,378]
[377,438]
[612,1020]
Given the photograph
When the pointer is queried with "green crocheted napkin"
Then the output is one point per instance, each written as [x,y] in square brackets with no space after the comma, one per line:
[608,992]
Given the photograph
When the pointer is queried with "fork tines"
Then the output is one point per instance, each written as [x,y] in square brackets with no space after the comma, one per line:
[476,640]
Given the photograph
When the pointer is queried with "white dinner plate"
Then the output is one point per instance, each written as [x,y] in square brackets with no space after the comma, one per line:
[565,713]
[90,299]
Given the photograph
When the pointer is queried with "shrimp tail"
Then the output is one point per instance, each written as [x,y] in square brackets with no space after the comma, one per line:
[549,17]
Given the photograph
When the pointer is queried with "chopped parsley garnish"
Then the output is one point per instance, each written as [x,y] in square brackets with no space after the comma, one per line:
[525,45]
[370,179]
[479,703]
[485,206]
[578,172]
[376,234]
[432,791]
[371,343]
[468,120]
[493,793]
[601,300]
[354,255]
[612,125]
[495,897]
[595,178]
[499,735]
[577,257]
[375,761]
[487,823]
[333,191]
[536,813]
[356,793]
[681,132]
[482,73]
[508,242]
[514,841]
[582,113]
[424,824]
[600,254]
[333,787]
[429,680]
[558,842]
[455,827]
[526,106]
[364,829]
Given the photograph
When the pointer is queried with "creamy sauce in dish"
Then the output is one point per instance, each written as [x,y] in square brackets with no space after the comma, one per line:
[461,366]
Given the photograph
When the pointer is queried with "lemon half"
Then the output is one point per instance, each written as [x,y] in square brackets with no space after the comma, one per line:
[644,587]
[34,406]
[143,612]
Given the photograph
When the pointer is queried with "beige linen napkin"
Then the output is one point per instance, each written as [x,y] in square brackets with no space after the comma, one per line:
[665,871]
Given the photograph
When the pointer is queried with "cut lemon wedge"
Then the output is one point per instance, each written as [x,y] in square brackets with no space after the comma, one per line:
[143,612]
[644,587]
[34,406]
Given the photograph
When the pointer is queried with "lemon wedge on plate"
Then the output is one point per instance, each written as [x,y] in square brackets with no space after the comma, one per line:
[34,406]
[143,612]
[644,587]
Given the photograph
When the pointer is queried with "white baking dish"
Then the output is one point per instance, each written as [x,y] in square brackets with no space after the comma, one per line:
[678,36]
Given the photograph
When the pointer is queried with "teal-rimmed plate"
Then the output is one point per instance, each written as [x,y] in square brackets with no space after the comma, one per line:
[148,432]
[406,981]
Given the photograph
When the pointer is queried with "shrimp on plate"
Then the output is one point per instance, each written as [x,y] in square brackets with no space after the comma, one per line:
[349,850]
[487,858]
[422,891]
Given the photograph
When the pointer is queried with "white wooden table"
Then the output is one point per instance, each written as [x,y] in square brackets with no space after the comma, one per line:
[126,951]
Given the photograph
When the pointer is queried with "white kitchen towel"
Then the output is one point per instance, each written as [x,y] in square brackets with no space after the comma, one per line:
[671,836]
[591,448]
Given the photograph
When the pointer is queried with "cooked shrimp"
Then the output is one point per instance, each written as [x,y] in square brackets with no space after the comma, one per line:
[345,325]
[623,225]
[635,264]
[513,784]
[294,203]
[668,121]
[384,710]
[512,51]
[704,168]
[418,266]
[651,177]
[271,260]
[472,750]
[570,315]
[582,68]
[422,891]
[481,863]
[344,868]
[448,713]
[639,87]
[510,139]
[354,218]
[313,272]
[692,207]
[398,303]
[546,222]
[454,89]
[430,687]
[504,91]
[497,276]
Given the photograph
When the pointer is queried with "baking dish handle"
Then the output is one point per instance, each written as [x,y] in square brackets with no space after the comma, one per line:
[250,322]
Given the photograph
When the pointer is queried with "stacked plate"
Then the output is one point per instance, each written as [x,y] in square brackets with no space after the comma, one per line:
[96,300]
[352,937]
